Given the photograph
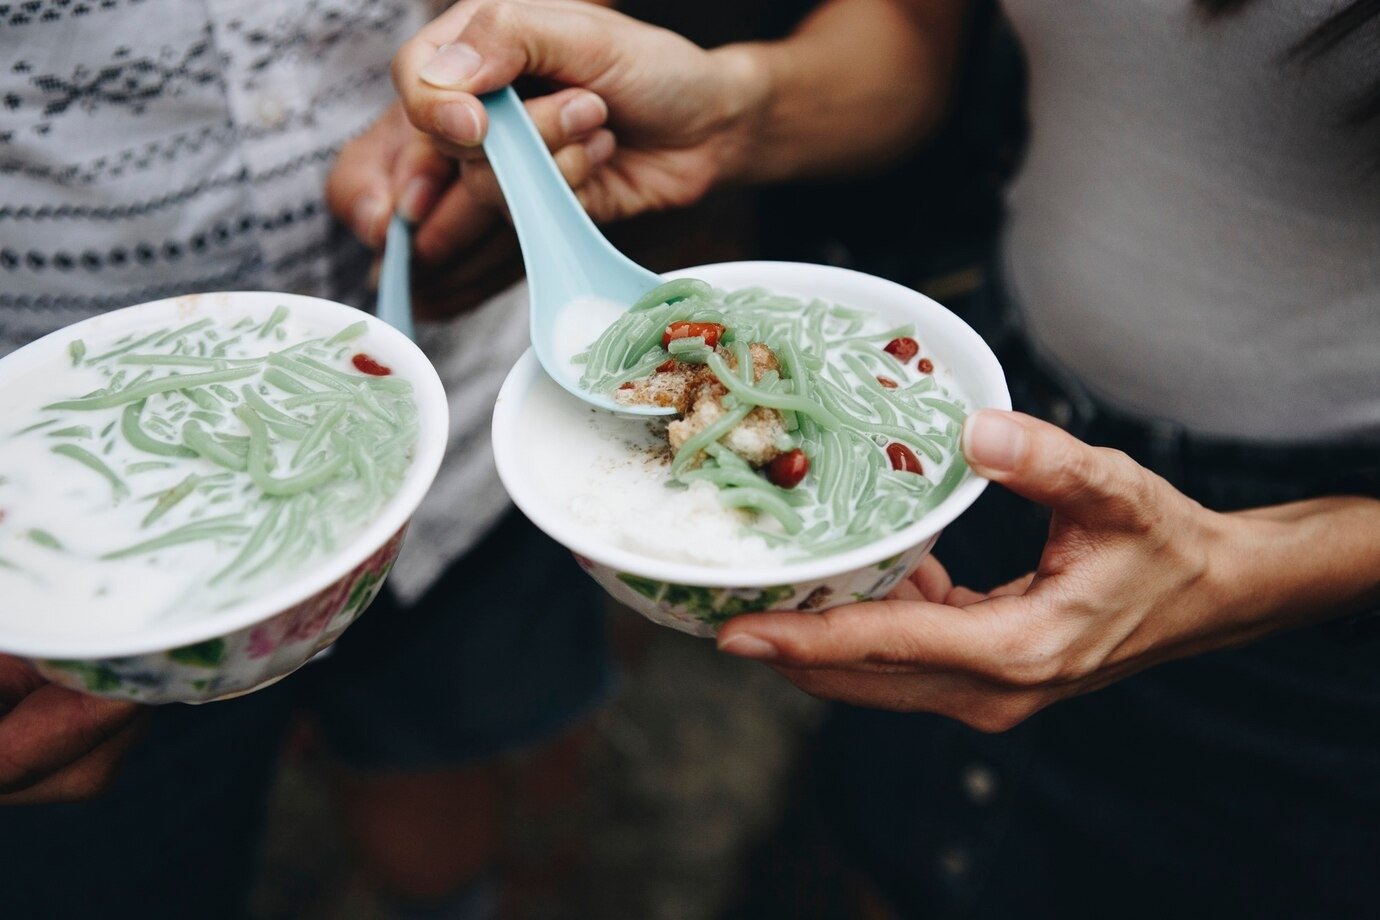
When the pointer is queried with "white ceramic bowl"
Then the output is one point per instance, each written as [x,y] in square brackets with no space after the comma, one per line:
[255,643]
[698,598]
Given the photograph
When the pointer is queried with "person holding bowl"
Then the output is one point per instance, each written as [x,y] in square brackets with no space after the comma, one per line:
[154,149]
[1185,297]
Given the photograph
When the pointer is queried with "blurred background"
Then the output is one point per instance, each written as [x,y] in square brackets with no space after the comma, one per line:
[708,787]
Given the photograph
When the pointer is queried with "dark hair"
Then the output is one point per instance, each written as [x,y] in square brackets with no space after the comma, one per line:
[1346,24]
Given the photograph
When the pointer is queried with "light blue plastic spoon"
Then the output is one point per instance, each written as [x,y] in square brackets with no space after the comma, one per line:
[565,254]
[395,288]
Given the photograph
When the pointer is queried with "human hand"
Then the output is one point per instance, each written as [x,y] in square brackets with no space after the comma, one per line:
[57,745]
[678,110]
[463,251]
[1133,573]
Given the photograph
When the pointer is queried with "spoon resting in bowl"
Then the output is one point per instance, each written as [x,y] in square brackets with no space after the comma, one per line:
[567,259]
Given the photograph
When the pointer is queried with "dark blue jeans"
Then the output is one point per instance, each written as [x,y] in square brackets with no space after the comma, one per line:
[505,651]
[1243,783]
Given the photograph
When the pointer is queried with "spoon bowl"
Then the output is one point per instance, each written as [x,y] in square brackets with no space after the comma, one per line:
[566,257]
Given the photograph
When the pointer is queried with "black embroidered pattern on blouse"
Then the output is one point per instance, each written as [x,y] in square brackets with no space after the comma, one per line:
[221,233]
[166,150]
[21,14]
[247,268]
[135,158]
[247,271]
[130,84]
[181,196]
[318,28]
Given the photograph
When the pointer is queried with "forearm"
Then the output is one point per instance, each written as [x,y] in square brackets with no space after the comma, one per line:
[857,85]
[1303,562]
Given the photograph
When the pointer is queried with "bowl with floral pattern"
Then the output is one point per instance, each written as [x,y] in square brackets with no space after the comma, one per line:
[692,595]
[222,651]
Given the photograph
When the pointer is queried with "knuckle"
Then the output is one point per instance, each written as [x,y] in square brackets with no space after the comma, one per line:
[100,717]
[429,249]
[1030,657]
[1127,488]
[1130,479]
[1083,471]
[794,652]
[400,67]
[574,164]
[809,683]
[15,776]
[336,195]
[17,782]
[1031,669]
[1078,666]
[87,787]
[494,16]
[988,720]
[1000,715]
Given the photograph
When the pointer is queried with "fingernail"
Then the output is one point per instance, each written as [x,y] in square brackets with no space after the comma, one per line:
[451,65]
[417,198]
[746,646]
[600,147]
[459,122]
[370,213]
[993,439]
[583,113]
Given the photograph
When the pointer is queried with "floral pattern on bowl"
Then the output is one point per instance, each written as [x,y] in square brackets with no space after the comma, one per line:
[242,661]
[700,610]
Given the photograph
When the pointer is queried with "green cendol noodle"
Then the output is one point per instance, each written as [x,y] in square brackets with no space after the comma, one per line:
[831,401]
[285,453]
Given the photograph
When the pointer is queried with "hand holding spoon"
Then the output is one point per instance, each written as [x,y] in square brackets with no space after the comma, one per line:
[566,256]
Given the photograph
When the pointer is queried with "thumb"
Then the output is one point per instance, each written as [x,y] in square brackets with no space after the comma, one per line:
[477,49]
[1036,460]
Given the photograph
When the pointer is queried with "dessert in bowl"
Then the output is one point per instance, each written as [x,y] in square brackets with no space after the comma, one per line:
[199,494]
[813,459]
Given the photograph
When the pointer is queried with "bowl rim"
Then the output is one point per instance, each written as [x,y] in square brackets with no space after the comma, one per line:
[433,431]
[526,494]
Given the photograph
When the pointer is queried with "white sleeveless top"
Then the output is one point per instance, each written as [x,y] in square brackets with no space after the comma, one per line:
[1193,234]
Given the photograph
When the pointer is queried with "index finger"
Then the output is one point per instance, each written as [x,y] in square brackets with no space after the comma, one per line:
[885,636]
[17,680]
[53,727]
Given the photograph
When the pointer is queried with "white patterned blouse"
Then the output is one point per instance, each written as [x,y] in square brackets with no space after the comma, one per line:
[156,147]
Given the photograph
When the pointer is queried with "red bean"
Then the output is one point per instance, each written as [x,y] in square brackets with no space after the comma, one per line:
[887,382]
[367,365]
[926,366]
[903,458]
[685,330]
[788,469]
[668,365]
[902,349]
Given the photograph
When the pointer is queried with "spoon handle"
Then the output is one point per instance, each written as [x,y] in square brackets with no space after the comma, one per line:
[557,237]
[395,288]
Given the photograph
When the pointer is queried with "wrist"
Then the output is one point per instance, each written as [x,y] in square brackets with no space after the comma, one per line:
[746,111]
[1214,597]
[1314,560]
[1291,565]
[1236,595]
